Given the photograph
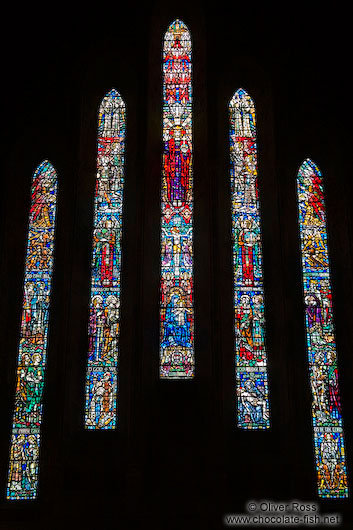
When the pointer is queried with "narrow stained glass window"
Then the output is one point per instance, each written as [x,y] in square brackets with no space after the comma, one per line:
[249,317]
[32,351]
[176,304]
[103,329]
[320,334]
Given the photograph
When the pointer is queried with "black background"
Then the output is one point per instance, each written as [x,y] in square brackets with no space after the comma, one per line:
[177,459]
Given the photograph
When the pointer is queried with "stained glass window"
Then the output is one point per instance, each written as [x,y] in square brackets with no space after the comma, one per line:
[32,351]
[249,317]
[320,335]
[176,303]
[104,317]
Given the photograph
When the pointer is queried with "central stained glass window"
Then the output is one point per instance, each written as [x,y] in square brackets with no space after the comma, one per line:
[177,359]
[249,311]
[104,318]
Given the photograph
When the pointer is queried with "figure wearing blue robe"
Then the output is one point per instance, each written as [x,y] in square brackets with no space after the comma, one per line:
[253,402]
[176,324]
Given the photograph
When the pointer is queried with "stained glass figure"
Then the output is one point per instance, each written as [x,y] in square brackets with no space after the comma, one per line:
[32,351]
[104,318]
[177,358]
[249,315]
[320,334]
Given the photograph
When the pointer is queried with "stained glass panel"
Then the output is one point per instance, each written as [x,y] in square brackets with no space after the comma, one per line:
[32,351]
[320,334]
[249,314]
[176,305]
[104,318]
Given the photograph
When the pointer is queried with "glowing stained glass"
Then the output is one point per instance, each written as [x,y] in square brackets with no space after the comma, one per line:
[176,305]
[103,329]
[249,317]
[321,344]
[32,351]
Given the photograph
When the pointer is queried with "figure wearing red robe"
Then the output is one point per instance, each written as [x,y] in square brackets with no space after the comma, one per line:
[185,166]
[174,165]
[246,242]
[316,197]
[106,394]
[104,237]
[107,261]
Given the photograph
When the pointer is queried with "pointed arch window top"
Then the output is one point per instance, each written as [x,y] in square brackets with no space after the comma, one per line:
[241,98]
[178,35]
[309,175]
[113,94]
[111,118]
[244,109]
[45,172]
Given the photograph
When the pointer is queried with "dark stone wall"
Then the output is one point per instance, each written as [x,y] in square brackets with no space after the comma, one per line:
[177,458]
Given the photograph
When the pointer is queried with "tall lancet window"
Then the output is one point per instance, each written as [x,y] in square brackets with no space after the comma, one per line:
[177,358]
[249,316]
[320,335]
[103,328]
[32,350]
